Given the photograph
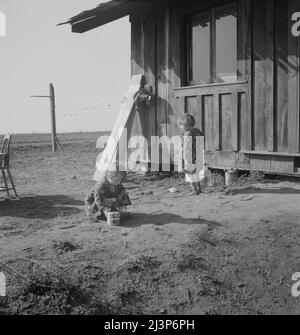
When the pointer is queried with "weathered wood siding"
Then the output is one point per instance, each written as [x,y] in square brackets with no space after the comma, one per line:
[143,61]
[293,62]
[253,123]
[276,77]
[218,110]
[150,53]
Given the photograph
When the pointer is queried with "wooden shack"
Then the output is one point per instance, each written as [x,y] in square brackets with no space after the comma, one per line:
[234,65]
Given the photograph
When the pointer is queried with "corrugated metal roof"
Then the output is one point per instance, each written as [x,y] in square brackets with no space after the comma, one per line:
[111,11]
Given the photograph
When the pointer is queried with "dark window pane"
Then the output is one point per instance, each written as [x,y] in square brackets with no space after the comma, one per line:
[200,49]
[226,45]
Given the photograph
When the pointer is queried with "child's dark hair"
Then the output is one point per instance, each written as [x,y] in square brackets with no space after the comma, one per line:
[187,120]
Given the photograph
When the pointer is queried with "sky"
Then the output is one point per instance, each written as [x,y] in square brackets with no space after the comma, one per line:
[90,71]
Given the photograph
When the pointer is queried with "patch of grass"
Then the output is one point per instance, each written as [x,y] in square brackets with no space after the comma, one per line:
[246,178]
[48,294]
[191,262]
[130,297]
[207,238]
[215,179]
[65,246]
[143,263]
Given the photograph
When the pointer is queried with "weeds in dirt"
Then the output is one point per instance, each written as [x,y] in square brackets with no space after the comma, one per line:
[209,288]
[60,295]
[130,297]
[215,179]
[249,178]
[207,238]
[65,246]
[48,294]
[143,263]
[191,262]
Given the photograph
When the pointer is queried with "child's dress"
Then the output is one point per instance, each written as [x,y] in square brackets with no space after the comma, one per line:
[192,174]
[105,197]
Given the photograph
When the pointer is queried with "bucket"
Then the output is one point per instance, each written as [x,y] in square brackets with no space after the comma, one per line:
[229,177]
[113,218]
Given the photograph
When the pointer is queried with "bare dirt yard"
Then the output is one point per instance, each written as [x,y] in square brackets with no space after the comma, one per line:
[223,252]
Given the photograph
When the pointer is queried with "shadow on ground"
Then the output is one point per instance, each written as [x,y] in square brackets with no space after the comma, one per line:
[257,190]
[40,207]
[160,219]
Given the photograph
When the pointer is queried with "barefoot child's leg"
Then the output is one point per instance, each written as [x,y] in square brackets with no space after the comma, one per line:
[194,190]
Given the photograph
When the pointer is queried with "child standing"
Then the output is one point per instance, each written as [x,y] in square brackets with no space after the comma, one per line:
[107,195]
[187,124]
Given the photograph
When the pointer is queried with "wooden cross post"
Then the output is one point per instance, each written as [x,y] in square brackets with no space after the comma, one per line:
[51,96]
[53,119]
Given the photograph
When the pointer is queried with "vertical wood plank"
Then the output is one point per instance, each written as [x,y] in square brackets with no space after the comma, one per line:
[243,43]
[201,122]
[137,66]
[270,74]
[243,124]
[162,94]
[181,106]
[245,70]
[281,55]
[138,126]
[208,105]
[216,122]
[263,30]
[293,83]
[234,121]
[225,122]
[149,30]
[259,10]
[166,70]
[249,134]
[174,61]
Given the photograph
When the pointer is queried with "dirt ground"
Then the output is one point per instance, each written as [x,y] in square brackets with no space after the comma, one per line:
[223,252]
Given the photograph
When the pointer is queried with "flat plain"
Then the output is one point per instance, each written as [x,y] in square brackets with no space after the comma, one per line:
[227,251]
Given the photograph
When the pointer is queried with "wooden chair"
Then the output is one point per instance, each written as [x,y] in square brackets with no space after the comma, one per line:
[4,166]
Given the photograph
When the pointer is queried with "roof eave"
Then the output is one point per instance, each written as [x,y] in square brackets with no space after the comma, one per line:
[112,11]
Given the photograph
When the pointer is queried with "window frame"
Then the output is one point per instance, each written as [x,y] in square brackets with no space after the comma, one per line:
[213,43]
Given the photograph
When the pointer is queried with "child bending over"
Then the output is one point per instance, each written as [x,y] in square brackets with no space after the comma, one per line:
[107,195]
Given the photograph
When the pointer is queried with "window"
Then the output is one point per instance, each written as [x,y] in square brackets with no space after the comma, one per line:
[212,46]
